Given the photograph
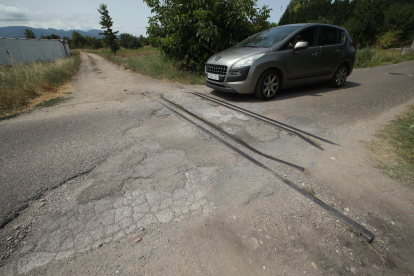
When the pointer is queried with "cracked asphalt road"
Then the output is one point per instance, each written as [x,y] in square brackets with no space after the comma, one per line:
[111,164]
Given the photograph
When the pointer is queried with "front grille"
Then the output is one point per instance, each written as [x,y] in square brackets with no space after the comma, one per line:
[216,69]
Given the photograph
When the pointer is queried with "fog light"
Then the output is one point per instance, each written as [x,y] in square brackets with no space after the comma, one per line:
[237,73]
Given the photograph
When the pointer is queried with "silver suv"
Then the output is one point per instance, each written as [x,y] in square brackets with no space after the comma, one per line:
[285,56]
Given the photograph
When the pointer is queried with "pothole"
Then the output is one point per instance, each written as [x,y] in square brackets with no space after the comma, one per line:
[399,74]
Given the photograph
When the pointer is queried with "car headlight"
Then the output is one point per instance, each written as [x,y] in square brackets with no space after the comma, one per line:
[246,62]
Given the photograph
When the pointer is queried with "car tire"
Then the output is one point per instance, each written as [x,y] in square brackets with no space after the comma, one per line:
[268,85]
[340,76]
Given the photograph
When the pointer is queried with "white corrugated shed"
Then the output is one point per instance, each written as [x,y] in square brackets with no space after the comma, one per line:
[31,50]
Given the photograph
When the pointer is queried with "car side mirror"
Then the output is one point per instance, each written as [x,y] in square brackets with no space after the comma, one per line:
[300,45]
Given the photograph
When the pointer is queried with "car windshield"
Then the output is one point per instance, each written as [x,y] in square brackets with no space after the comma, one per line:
[269,37]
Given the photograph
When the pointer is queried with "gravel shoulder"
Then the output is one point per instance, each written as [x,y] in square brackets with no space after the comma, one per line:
[113,183]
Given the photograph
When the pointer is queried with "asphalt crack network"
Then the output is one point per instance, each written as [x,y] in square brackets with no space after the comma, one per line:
[25,204]
[88,226]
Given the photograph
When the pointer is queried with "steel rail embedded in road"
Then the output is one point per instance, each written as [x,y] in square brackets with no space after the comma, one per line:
[275,123]
[235,139]
[359,228]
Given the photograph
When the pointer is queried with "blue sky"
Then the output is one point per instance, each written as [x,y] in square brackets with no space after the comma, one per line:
[128,16]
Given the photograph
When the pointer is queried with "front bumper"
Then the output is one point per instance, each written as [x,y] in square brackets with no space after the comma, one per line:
[220,87]
[231,81]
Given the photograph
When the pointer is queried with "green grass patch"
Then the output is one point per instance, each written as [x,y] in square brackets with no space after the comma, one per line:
[19,83]
[47,103]
[6,117]
[309,190]
[154,64]
[367,57]
[393,152]
[52,102]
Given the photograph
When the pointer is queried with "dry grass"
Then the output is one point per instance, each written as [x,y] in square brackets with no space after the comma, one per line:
[20,84]
[393,152]
[61,91]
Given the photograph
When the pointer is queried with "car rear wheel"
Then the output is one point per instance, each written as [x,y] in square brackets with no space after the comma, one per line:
[268,85]
[340,76]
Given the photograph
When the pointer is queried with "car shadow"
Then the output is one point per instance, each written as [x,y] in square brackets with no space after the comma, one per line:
[316,90]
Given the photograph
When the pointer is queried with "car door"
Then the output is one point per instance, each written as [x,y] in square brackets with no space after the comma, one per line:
[303,65]
[332,41]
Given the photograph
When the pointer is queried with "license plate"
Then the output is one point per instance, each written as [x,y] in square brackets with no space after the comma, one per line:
[212,76]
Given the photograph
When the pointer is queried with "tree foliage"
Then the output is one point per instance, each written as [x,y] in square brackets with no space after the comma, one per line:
[77,40]
[190,31]
[106,23]
[144,40]
[80,41]
[369,22]
[366,23]
[28,33]
[52,36]
[93,42]
[129,41]
[389,39]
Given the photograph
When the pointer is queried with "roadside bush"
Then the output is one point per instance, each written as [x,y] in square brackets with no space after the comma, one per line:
[367,57]
[364,57]
[189,32]
[389,39]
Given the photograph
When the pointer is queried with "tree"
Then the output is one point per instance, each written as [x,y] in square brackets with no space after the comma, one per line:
[28,33]
[366,22]
[369,22]
[129,41]
[144,40]
[93,42]
[52,36]
[77,40]
[106,22]
[190,31]
[401,17]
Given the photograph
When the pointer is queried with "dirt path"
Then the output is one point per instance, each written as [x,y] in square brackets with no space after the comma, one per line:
[123,167]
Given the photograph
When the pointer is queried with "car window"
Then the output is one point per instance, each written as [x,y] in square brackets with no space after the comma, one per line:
[332,36]
[309,35]
[341,37]
[269,37]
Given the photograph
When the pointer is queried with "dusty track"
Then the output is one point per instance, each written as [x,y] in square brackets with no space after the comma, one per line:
[111,165]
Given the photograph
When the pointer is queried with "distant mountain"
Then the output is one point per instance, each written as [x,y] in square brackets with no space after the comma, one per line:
[18,32]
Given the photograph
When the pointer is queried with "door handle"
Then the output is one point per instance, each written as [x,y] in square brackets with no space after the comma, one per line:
[315,54]
[337,51]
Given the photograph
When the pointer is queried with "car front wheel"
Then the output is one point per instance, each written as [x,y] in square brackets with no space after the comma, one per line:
[340,76]
[268,85]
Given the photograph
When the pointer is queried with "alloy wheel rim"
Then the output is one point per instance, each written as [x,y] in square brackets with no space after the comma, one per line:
[270,86]
[341,76]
